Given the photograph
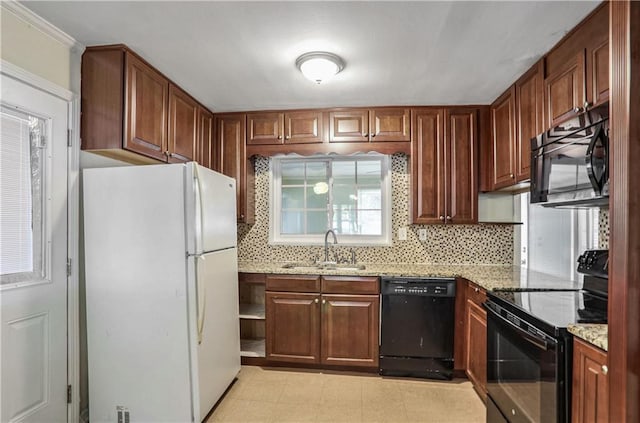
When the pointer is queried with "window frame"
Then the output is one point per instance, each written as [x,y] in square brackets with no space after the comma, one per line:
[275,203]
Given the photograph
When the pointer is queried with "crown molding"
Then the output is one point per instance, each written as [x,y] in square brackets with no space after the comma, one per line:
[30,17]
[16,72]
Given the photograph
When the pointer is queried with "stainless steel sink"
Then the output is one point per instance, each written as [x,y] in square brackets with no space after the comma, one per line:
[323,266]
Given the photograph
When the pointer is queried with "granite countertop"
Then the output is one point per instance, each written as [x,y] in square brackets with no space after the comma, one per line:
[489,277]
[594,334]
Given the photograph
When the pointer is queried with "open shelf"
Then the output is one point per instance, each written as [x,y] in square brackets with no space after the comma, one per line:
[252,311]
[252,348]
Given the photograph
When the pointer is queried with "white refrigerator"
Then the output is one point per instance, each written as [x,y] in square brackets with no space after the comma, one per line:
[161,291]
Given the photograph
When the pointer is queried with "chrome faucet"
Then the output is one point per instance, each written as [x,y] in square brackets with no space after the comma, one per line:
[326,243]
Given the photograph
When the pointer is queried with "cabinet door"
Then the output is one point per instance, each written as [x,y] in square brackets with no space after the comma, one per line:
[350,330]
[303,127]
[183,126]
[564,91]
[390,124]
[293,327]
[590,384]
[147,93]
[503,134]
[206,145]
[461,191]
[528,98]
[427,167]
[230,138]
[476,348]
[264,128]
[598,73]
[349,126]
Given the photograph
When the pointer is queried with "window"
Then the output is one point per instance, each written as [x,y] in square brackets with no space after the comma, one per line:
[21,196]
[349,194]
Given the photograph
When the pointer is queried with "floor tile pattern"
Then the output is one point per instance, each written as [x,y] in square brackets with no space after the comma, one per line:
[286,395]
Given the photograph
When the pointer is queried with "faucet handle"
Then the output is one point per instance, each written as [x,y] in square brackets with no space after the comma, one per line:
[353,255]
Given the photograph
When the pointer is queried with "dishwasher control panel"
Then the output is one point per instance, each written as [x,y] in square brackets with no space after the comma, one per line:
[419,287]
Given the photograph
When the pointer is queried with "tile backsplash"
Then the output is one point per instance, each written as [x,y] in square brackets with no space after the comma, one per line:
[603,233]
[450,244]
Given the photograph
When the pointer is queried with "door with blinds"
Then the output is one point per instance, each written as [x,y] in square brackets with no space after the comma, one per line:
[33,254]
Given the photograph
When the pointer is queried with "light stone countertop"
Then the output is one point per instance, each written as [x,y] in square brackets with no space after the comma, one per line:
[489,277]
[594,334]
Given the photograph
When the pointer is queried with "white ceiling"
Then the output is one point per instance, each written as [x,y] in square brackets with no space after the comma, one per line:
[241,55]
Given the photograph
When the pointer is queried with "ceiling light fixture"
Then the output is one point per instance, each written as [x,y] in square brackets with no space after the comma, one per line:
[318,66]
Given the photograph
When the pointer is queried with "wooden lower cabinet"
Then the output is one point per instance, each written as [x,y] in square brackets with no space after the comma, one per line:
[293,327]
[350,330]
[336,328]
[476,339]
[590,397]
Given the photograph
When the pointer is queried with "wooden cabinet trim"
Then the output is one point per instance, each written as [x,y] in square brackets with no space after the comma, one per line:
[590,393]
[252,278]
[476,355]
[555,112]
[461,187]
[529,115]
[293,283]
[182,140]
[304,127]
[358,130]
[350,285]
[390,124]
[265,128]
[503,134]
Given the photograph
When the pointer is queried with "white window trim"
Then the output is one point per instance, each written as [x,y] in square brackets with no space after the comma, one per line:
[275,207]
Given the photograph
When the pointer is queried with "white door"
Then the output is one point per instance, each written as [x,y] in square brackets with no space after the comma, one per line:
[33,254]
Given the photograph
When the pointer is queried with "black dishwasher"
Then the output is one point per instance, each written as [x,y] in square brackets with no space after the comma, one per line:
[416,327]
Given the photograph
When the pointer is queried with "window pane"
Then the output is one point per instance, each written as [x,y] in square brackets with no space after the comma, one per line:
[369,172]
[316,222]
[317,172]
[344,220]
[293,198]
[317,201]
[292,173]
[21,197]
[344,197]
[369,198]
[292,222]
[370,222]
[344,172]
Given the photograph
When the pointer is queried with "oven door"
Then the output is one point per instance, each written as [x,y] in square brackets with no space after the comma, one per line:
[524,370]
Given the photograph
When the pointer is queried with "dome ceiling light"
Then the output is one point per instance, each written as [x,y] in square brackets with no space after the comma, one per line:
[319,66]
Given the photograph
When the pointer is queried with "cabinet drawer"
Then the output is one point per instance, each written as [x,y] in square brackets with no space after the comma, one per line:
[293,283]
[476,294]
[350,285]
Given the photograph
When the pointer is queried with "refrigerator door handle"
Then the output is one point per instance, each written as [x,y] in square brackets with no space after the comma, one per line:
[200,218]
[201,300]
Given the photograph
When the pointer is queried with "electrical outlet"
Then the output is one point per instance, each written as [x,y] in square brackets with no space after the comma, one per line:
[422,234]
[402,234]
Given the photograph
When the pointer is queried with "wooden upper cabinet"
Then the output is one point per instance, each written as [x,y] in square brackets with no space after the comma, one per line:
[503,139]
[427,167]
[590,402]
[183,126]
[349,126]
[350,330]
[529,109]
[265,128]
[292,327]
[598,73]
[147,93]
[564,91]
[461,166]
[232,161]
[207,153]
[444,181]
[303,127]
[390,124]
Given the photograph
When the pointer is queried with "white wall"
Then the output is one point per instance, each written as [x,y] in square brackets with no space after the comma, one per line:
[23,45]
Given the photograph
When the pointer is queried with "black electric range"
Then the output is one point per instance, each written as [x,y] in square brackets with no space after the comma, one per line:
[529,351]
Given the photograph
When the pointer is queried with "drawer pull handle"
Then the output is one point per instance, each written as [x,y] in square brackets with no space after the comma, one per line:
[315,301]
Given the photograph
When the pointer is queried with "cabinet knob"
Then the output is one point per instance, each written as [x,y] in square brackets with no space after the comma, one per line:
[577,109]
[587,105]
[511,175]
[279,137]
[441,217]
[287,137]
[605,369]
[476,289]
[324,301]
[166,153]
[365,135]
[315,301]
[448,217]
[373,135]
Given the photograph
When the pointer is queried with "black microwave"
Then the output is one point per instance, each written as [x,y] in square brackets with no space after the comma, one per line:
[570,162]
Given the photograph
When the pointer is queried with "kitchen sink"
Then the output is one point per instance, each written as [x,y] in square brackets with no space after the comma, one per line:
[323,266]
